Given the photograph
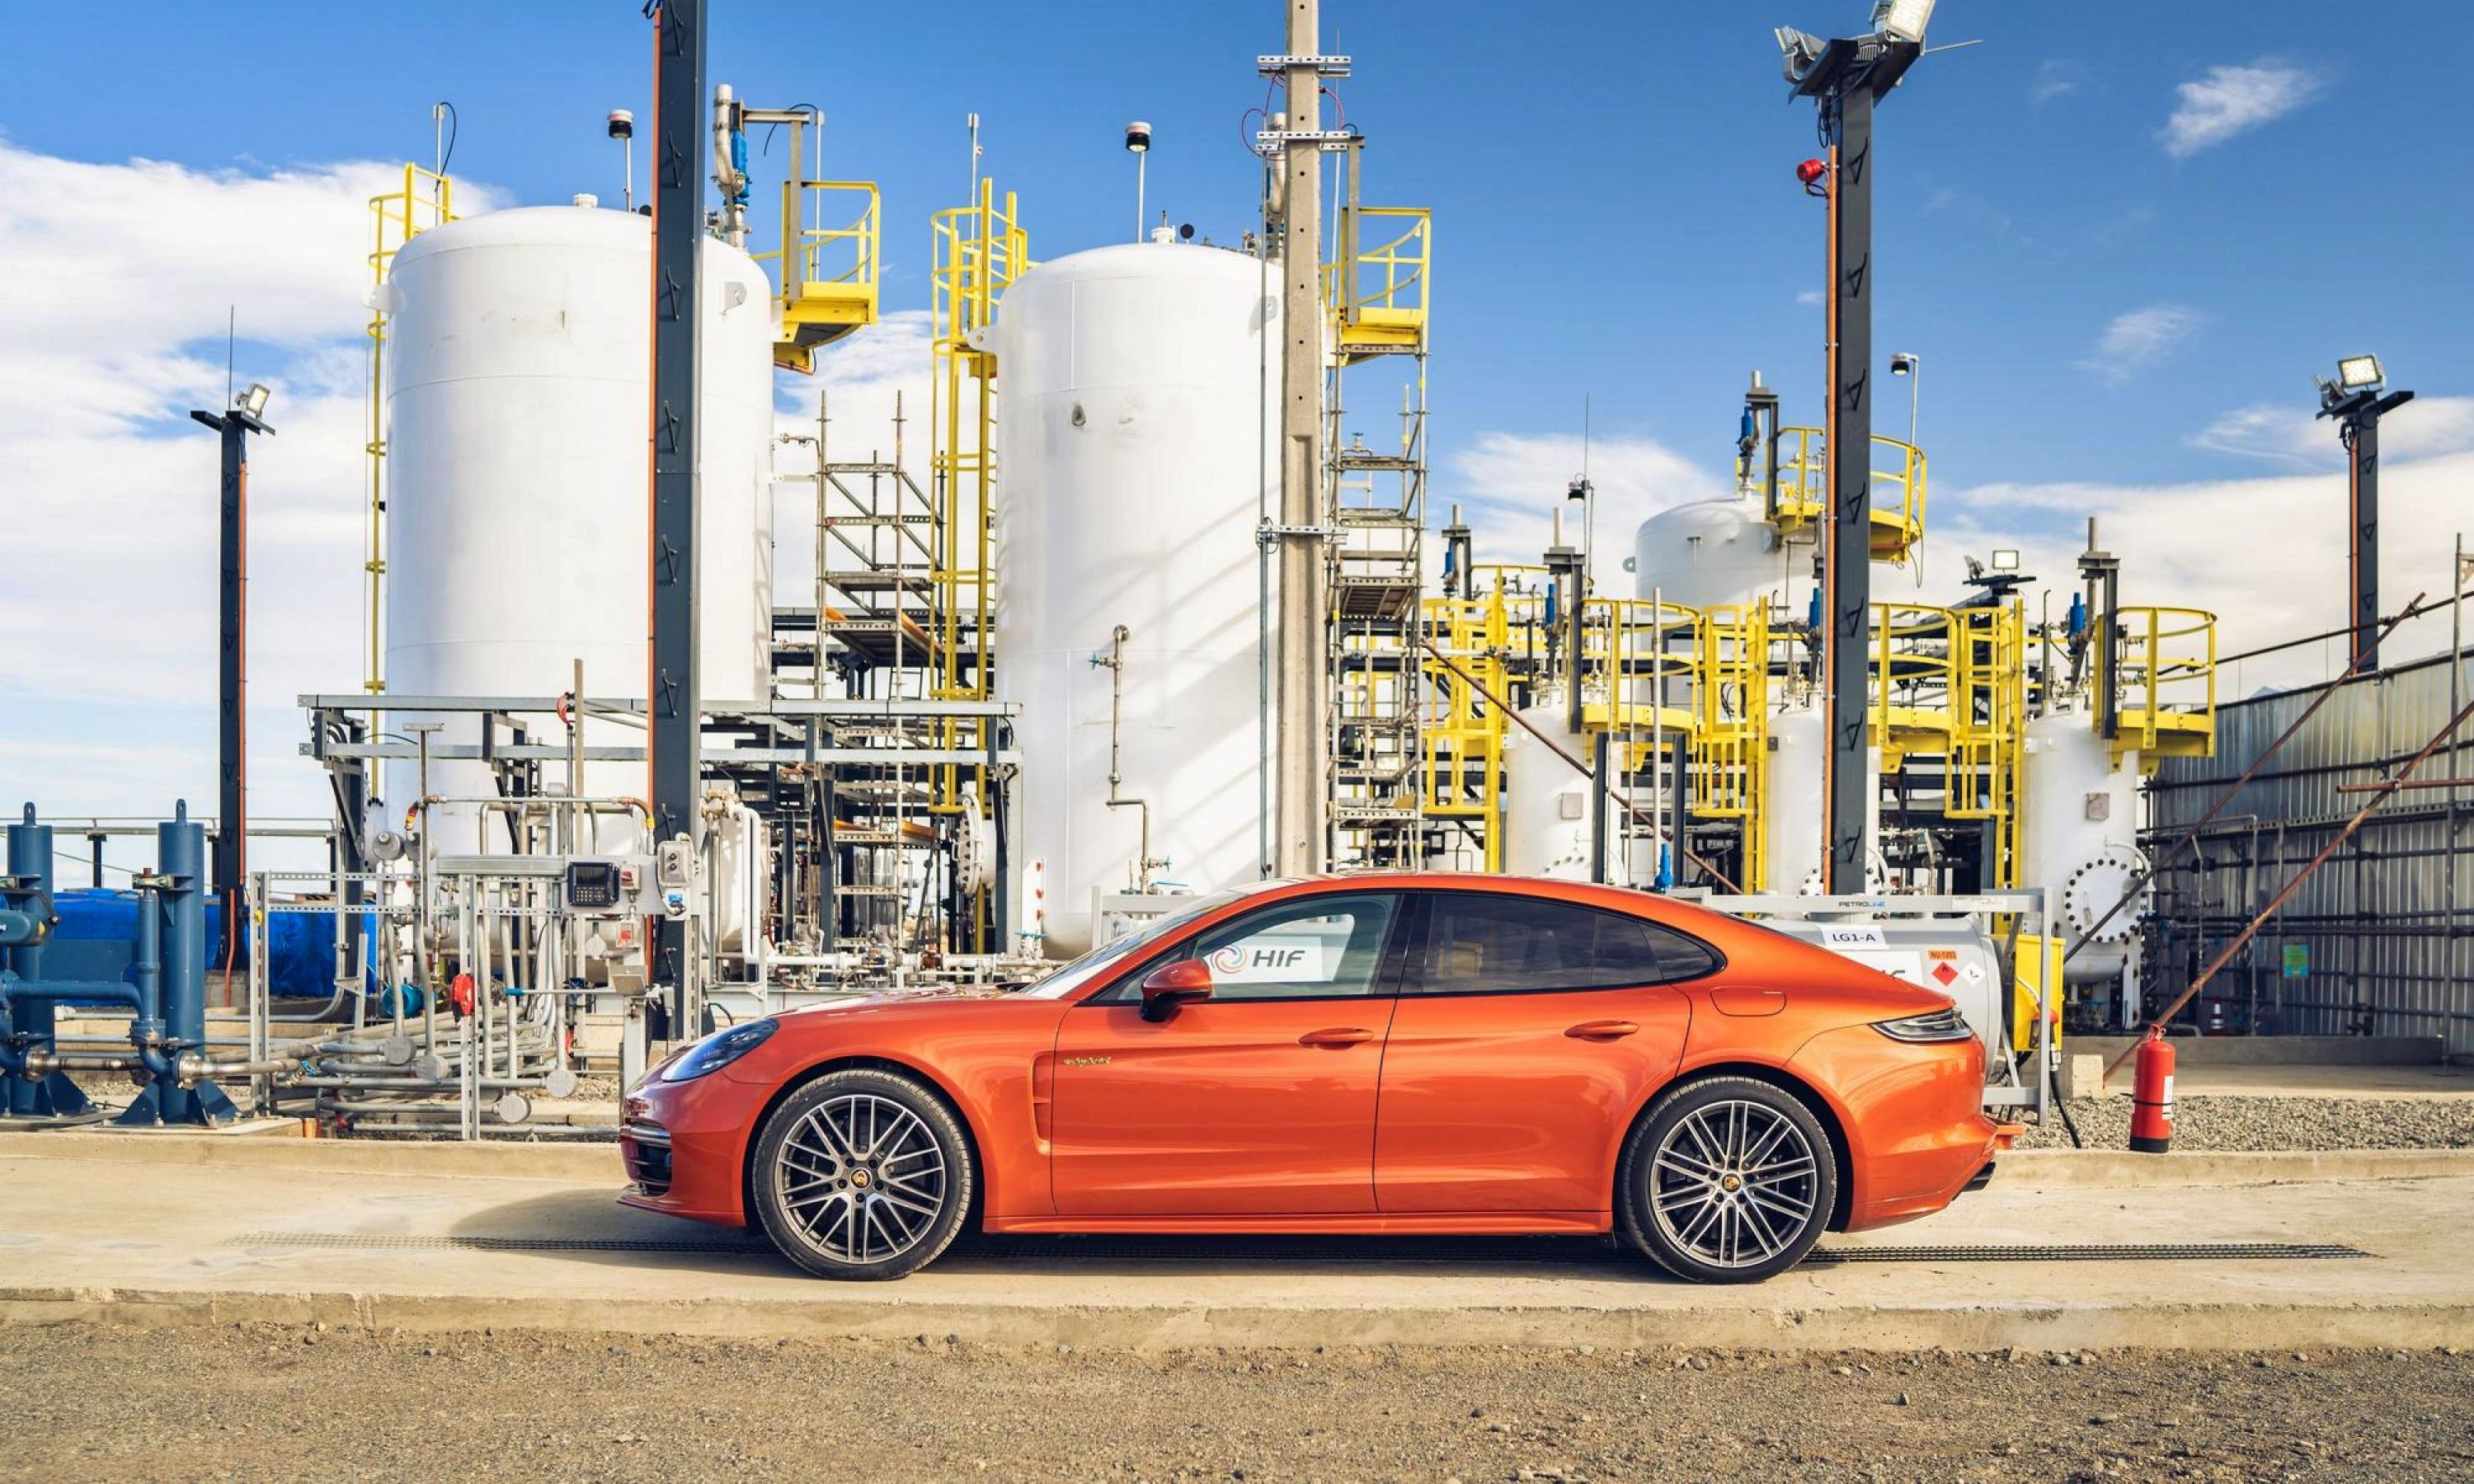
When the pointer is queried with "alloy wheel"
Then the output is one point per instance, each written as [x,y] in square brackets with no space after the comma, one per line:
[1732,1183]
[863,1178]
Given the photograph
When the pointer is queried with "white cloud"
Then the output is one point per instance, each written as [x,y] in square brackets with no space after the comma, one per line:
[1810,298]
[2265,555]
[2231,100]
[2056,76]
[1511,484]
[2133,339]
[115,282]
[2293,433]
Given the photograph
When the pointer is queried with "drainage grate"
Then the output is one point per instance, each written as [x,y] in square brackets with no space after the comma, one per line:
[1317,1249]
[2161,1251]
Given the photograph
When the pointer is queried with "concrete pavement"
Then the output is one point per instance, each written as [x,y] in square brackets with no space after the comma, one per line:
[444,1237]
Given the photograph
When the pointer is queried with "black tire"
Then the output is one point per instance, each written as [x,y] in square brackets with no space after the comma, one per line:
[863,1174]
[1683,1195]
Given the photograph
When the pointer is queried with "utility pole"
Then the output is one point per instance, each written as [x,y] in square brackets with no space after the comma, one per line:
[231,792]
[2357,399]
[671,738]
[1844,78]
[1300,756]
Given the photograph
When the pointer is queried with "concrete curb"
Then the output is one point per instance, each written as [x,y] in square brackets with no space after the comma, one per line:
[2030,1327]
[2067,1169]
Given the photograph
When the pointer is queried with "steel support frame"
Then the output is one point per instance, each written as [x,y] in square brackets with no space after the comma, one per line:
[2358,424]
[1847,569]
[673,740]
[231,865]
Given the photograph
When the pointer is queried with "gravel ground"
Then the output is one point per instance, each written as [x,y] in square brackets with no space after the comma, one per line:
[2218,1122]
[269,1402]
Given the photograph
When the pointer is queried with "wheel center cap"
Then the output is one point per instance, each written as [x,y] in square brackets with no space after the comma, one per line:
[859,1178]
[1730,1183]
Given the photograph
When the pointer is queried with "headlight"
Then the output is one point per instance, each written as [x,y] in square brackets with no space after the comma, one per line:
[1932,1025]
[719,1049]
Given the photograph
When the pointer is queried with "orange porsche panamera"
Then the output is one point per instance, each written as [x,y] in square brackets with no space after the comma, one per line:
[1413,1053]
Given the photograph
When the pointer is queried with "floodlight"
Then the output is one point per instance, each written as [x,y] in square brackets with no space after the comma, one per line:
[254,400]
[2005,559]
[1903,364]
[1902,20]
[1138,136]
[622,124]
[1800,50]
[2354,373]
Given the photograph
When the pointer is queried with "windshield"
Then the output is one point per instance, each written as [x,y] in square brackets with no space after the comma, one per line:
[1103,959]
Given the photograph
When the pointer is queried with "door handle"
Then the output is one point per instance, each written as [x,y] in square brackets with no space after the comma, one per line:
[1337,1035]
[1602,1030]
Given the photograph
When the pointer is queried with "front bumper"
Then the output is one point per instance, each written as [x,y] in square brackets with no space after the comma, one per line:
[685,1145]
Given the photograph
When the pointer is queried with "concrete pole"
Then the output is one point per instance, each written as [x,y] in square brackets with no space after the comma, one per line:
[1301,763]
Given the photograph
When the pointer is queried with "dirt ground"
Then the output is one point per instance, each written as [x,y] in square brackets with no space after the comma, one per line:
[271,1402]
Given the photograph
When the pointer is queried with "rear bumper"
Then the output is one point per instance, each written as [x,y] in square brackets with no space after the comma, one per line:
[1917,1134]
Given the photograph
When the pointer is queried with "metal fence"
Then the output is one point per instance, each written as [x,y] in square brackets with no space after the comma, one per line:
[2377,941]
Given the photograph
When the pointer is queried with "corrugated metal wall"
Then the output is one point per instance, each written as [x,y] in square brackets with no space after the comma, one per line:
[2386,928]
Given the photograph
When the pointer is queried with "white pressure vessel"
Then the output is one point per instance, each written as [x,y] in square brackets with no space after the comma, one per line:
[1794,810]
[2081,838]
[1138,449]
[518,355]
[1707,554]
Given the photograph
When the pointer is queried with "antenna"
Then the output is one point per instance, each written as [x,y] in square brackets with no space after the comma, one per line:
[971,121]
[232,333]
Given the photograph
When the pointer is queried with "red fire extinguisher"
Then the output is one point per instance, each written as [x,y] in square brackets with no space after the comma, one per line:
[2152,1096]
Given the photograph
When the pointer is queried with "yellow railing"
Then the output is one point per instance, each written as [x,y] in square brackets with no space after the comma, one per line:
[1899,480]
[1731,739]
[1988,735]
[426,199]
[828,274]
[978,251]
[2168,678]
[1912,674]
[1378,296]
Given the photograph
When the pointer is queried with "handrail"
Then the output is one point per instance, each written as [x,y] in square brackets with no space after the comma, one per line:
[1803,481]
[1405,263]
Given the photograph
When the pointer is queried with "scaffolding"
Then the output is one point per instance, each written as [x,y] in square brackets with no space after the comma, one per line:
[1376,298]
[426,199]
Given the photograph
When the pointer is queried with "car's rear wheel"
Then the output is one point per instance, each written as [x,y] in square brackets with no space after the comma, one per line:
[863,1174]
[1727,1179]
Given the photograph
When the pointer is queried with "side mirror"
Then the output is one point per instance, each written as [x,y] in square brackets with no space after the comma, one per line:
[1171,984]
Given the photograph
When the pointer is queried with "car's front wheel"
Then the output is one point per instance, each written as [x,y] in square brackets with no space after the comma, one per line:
[1727,1179]
[863,1174]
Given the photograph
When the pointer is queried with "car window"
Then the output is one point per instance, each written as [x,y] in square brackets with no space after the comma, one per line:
[1477,944]
[1317,948]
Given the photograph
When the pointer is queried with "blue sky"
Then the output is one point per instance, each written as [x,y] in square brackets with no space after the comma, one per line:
[1611,182]
[1616,218]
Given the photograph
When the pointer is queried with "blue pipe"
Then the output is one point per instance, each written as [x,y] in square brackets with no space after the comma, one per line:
[30,1024]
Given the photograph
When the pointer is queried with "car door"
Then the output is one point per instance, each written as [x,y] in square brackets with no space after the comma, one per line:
[1258,1101]
[1528,1030]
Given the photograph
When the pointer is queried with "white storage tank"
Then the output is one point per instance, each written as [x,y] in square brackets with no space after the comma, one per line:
[1707,554]
[1139,446]
[517,355]
[2082,838]
[1793,808]
[1545,800]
